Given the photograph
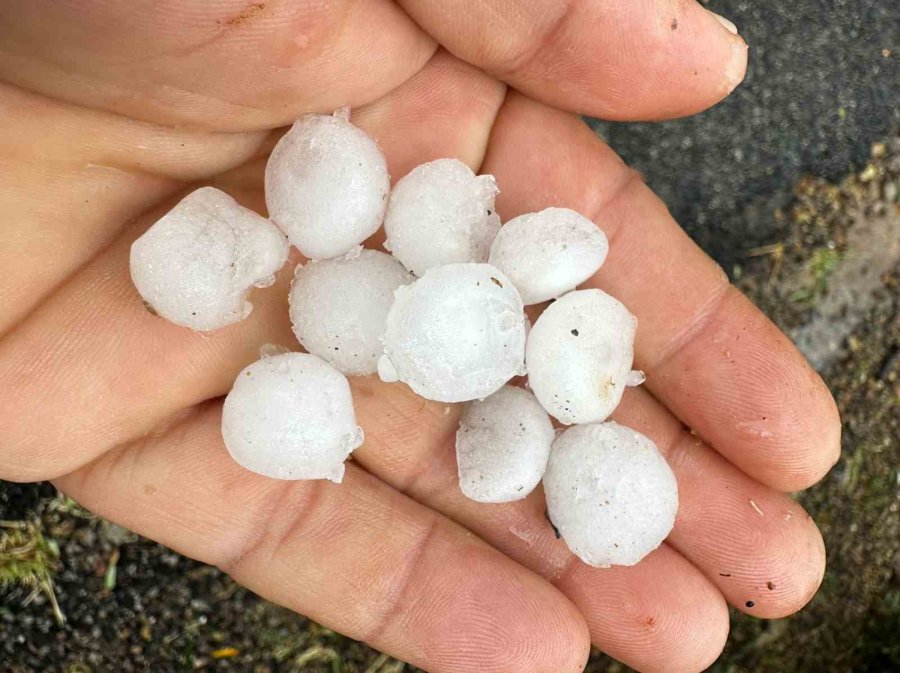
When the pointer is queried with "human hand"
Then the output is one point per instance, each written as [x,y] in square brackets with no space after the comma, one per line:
[113,109]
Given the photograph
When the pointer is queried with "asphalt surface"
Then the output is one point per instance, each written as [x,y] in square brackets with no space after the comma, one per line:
[823,83]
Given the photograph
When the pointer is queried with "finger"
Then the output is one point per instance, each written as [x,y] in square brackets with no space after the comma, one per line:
[709,354]
[758,546]
[96,170]
[660,615]
[358,557]
[446,110]
[652,59]
[72,177]
[228,65]
[102,387]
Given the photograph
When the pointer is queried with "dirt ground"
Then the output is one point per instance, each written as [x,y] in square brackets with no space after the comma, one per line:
[830,277]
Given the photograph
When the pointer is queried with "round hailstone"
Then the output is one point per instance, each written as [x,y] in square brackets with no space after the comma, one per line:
[502,446]
[339,307]
[291,417]
[441,213]
[546,254]
[610,494]
[579,356]
[456,334]
[327,185]
[196,265]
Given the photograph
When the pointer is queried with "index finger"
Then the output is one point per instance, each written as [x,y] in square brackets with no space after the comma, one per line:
[711,356]
[641,59]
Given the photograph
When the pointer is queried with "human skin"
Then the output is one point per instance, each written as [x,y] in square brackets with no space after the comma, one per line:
[113,110]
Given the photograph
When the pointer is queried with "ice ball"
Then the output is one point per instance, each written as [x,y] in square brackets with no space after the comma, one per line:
[546,254]
[441,213]
[456,334]
[610,493]
[326,185]
[291,417]
[339,307]
[502,446]
[579,356]
[196,265]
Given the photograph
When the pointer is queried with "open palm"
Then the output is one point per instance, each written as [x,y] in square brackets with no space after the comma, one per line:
[112,110]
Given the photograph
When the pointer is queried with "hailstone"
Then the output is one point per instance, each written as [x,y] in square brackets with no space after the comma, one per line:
[456,334]
[440,213]
[610,494]
[546,254]
[502,446]
[339,307]
[326,185]
[195,266]
[291,417]
[579,356]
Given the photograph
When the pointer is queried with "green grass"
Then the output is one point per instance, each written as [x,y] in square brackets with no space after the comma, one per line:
[821,265]
[28,561]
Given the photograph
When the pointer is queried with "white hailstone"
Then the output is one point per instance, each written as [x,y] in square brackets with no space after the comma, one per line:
[502,446]
[327,185]
[546,254]
[441,213]
[196,265]
[610,494]
[291,416]
[339,307]
[456,334]
[579,356]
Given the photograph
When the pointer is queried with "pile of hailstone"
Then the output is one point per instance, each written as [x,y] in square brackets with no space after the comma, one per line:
[443,314]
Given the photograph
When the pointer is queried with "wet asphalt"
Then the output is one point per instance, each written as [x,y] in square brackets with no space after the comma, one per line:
[823,84]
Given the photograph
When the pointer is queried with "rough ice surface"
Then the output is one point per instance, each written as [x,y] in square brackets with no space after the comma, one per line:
[441,213]
[291,417]
[502,446]
[456,334]
[196,265]
[579,356]
[610,493]
[327,185]
[339,307]
[549,253]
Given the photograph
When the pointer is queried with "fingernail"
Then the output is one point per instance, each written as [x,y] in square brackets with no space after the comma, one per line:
[729,26]
[736,67]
